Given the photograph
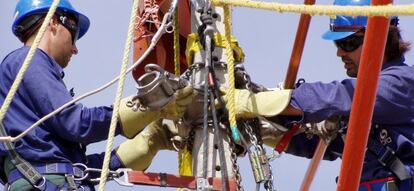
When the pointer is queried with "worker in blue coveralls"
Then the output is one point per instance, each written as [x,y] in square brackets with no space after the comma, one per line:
[44,159]
[389,159]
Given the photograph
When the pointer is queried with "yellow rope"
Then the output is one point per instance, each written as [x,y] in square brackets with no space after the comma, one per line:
[27,61]
[330,10]
[230,71]
[114,120]
[176,45]
[184,155]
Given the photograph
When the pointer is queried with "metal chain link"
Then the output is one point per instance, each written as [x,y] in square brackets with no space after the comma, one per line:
[190,140]
[254,141]
[246,77]
[239,69]
[269,184]
[236,168]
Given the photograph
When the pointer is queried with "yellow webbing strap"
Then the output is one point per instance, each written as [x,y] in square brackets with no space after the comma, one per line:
[329,10]
[115,113]
[27,61]
[185,162]
[184,155]
[194,46]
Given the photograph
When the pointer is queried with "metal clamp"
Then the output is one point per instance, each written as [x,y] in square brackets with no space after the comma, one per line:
[203,185]
[274,155]
[156,87]
[122,177]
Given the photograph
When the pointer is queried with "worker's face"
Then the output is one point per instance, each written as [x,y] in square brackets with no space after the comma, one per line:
[349,49]
[67,32]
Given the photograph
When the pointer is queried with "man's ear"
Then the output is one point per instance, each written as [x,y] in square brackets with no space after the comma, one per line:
[53,24]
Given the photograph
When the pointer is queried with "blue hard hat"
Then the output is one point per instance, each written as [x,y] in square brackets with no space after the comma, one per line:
[343,26]
[25,8]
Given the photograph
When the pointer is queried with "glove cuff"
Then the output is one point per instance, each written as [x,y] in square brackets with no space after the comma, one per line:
[270,103]
[132,119]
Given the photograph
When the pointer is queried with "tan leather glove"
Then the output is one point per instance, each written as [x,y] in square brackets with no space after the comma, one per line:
[266,104]
[132,118]
[176,108]
[138,153]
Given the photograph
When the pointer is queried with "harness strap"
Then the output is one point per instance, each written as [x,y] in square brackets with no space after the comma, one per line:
[49,168]
[387,157]
[169,180]
[286,138]
[26,170]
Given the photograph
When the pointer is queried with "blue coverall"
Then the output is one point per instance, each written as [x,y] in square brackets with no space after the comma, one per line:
[62,138]
[393,115]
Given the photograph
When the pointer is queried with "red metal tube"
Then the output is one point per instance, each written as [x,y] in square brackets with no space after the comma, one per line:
[363,101]
[313,165]
[298,46]
[289,83]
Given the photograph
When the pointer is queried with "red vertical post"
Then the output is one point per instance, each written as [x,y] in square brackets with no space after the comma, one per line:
[363,101]
[298,47]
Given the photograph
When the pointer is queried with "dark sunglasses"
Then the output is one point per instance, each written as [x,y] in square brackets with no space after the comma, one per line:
[350,43]
[70,24]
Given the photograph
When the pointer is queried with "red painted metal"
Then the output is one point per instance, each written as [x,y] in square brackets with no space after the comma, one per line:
[298,47]
[163,54]
[363,101]
[174,181]
[289,83]
[313,165]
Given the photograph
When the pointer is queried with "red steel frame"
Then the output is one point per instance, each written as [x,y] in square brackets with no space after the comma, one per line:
[363,101]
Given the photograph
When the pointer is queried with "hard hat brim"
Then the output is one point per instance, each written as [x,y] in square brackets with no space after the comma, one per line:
[83,24]
[331,35]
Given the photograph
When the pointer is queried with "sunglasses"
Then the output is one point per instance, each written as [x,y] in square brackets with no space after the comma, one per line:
[70,24]
[350,43]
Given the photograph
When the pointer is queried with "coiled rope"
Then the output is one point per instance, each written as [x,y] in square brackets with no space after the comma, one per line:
[27,61]
[329,10]
[114,120]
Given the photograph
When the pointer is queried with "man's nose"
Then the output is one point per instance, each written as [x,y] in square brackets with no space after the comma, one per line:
[340,52]
[74,49]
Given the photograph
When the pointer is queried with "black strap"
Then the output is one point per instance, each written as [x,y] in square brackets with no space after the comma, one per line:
[24,167]
[163,180]
[387,157]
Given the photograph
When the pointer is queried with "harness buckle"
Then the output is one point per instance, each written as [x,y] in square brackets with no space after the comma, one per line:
[80,174]
[41,184]
[387,156]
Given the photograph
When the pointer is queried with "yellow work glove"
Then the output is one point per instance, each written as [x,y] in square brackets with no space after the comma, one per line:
[176,108]
[265,104]
[137,153]
[133,119]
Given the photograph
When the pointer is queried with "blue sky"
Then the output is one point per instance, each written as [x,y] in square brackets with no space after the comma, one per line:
[267,39]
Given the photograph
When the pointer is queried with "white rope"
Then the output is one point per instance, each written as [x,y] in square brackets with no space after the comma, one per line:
[121,83]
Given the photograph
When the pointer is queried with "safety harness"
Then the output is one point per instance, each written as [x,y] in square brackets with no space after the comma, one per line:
[25,169]
[33,173]
[387,157]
